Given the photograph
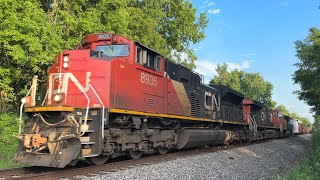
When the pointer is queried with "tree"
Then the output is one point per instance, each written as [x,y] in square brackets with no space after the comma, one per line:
[252,85]
[283,109]
[316,123]
[167,26]
[308,73]
[28,44]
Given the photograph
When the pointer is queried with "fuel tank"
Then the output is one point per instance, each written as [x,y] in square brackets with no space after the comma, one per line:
[200,137]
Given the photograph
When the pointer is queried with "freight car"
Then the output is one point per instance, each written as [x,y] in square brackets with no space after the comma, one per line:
[113,96]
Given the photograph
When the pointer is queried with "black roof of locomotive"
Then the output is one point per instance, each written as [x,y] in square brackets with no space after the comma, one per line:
[257,104]
[229,95]
[146,47]
[212,89]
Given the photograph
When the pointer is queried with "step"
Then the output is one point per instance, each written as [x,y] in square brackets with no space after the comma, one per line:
[86,152]
[88,131]
[88,119]
[89,142]
[91,155]
[84,127]
[84,139]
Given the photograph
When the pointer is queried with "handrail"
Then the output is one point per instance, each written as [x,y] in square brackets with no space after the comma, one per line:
[79,86]
[103,110]
[255,124]
[251,122]
[21,109]
[45,97]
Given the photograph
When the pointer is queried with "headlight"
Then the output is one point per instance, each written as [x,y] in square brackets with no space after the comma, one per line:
[66,58]
[57,98]
[24,100]
[65,64]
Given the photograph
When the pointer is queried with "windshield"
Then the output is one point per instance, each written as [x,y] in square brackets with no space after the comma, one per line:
[114,50]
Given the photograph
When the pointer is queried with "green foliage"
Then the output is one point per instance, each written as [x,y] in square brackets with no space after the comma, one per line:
[252,85]
[285,111]
[32,32]
[308,72]
[304,120]
[27,46]
[168,26]
[309,168]
[8,143]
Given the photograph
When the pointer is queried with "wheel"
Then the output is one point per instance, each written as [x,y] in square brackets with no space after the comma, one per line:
[134,154]
[98,160]
[163,151]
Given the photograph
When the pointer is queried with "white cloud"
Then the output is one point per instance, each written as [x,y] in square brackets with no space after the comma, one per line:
[197,48]
[207,4]
[206,68]
[243,65]
[209,69]
[214,11]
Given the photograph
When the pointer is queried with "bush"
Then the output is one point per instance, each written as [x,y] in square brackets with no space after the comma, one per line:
[8,143]
[309,168]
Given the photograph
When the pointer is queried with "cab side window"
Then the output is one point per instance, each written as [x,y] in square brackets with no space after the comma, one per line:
[148,59]
[139,55]
[158,63]
[208,100]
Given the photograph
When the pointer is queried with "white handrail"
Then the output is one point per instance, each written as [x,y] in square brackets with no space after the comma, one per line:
[103,111]
[79,86]
[21,109]
[255,124]
[45,97]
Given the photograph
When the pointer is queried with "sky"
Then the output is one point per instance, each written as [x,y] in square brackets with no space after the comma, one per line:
[258,36]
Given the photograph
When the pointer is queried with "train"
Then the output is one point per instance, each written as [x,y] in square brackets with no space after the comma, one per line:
[113,96]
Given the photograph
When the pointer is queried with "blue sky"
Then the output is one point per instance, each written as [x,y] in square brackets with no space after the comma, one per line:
[258,36]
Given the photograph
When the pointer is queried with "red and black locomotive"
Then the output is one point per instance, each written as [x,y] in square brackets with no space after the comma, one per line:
[114,96]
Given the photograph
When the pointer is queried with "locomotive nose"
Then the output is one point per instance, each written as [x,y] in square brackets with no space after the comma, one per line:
[57,146]
[62,153]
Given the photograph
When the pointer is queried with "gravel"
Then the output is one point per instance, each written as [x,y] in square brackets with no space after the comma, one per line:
[257,161]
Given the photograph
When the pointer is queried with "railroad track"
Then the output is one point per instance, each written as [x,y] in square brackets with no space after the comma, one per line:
[80,172]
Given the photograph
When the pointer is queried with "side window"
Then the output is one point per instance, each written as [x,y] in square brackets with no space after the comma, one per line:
[158,63]
[139,55]
[148,59]
[151,59]
[144,57]
[208,100]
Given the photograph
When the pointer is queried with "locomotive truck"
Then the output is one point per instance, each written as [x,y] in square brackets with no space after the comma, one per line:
[113,96]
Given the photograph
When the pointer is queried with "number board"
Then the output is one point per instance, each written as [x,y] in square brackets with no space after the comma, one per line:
[148,79]
[103,36]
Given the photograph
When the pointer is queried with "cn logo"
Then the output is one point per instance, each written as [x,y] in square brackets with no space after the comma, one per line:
[148,79]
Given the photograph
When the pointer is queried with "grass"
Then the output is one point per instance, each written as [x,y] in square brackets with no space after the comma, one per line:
[309,167]
[8,143]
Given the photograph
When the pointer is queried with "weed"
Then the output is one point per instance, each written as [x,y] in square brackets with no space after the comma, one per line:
[309,167]
[8,143]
